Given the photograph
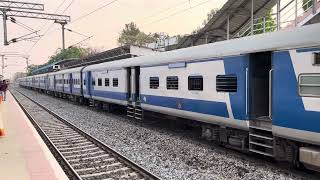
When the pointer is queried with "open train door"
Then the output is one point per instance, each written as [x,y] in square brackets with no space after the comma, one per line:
[260,103]
[70,83]
[89,85]
[134,109]
[129,84]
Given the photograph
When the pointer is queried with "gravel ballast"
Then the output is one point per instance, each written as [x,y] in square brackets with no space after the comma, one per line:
[170,153]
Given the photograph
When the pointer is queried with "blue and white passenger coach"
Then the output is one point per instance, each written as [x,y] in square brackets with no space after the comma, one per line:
[259,93]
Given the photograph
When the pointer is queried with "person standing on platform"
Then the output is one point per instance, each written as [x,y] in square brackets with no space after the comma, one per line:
[4,89]
[1,94]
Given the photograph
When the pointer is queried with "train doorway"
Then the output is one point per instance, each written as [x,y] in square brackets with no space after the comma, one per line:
[260,86]
[137,83]
[129,83]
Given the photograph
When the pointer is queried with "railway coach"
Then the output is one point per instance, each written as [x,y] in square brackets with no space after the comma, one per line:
[259,93]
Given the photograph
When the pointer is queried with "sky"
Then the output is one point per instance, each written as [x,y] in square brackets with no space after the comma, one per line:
[170,16]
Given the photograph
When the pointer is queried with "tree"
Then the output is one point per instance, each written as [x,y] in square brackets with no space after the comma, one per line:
[306,4]
[31,68]
[205,22]
[210,16]
[131,35]
[71,52]
[265,24]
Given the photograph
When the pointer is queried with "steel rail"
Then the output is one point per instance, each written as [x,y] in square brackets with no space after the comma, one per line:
[71,173]
[123,159]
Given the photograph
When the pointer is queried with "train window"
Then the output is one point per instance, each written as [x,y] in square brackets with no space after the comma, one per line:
[115,82]
[309,85]
[106,82]
[172,82]
[226,83]
[84,82]
[154,82]
[99,82]
[93,82]
[316,59]
[195,83]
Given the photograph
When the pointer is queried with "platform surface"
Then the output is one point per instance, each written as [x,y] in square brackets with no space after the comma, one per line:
[23,154]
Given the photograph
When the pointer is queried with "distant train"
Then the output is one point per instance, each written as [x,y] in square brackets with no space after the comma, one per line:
[259,93]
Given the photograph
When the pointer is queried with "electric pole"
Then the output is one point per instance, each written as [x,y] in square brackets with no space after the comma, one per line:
[5,37]
[9,9]
[27,62]
[62,23]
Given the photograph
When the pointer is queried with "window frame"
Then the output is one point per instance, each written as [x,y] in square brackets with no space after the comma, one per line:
[316,59]
[225,91]
[113,82]
[154,78]
[299,84]
[93,82]
[193,77]
[100,82]
[177,77]
[106,82]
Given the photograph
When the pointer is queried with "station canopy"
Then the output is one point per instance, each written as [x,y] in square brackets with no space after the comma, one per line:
[239,13]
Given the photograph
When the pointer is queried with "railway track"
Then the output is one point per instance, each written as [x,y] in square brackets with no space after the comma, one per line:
[81,155]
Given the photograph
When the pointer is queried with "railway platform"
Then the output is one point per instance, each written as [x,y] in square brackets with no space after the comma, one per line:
[23,154]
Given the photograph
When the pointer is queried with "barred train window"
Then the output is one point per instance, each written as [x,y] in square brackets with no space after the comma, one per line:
[316,59]
[172,82]
[154,82]
[195,83]
[115,82]
[309,85]
[227,83]
[99,82]
[106,82]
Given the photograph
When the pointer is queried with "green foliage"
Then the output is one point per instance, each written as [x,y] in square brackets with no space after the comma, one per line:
[266,24]
[31,68]
[208,18]
[131,35]
[307,4]
[71,52]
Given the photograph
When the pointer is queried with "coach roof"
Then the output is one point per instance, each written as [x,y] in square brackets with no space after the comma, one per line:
[306,36]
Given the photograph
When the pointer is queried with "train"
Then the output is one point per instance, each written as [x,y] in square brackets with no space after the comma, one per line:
[258,94]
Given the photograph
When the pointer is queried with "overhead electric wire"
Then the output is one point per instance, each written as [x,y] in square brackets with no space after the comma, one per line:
[86,37]
[50,25]
[25,39]
[167,9]
[68,6]
[176,13]
[26,35]
[93,11]
[70,30]
[15,21]
[81,41]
